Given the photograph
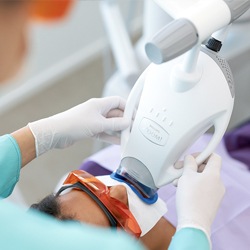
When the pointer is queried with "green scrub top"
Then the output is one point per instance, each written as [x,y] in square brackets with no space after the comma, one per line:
[33,230]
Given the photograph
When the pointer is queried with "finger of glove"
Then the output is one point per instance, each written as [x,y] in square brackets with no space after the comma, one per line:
[113,139]
[190,164]
[175,182]
[195,154]
[180,164]
[213,164]
[113,102]
[201,168]
[115,113]
[115,124]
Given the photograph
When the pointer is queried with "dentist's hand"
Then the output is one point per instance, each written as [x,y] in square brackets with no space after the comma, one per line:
[199,194]
[95,118]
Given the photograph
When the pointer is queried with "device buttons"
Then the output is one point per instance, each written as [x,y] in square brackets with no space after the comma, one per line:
[153,132]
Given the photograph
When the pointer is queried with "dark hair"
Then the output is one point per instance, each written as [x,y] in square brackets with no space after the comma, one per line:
[50,205]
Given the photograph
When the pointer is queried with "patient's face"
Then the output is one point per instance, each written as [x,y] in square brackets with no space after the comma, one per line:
[13,24]
[80,206]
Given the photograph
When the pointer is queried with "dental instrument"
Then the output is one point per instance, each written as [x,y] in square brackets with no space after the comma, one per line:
[185,91]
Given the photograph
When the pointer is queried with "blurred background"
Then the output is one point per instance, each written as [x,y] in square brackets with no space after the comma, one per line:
[69,62]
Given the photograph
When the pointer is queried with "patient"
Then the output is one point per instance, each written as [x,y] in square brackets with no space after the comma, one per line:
[70,203]
[230,229]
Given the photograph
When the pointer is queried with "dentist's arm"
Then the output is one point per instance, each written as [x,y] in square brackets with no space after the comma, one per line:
[26,144]
[198,198]
[95,118]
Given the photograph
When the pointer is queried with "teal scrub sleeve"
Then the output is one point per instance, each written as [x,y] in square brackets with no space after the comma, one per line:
[10,165]
[29,230]
[189,239]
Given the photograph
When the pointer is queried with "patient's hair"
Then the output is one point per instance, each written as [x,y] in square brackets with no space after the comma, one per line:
[50,205]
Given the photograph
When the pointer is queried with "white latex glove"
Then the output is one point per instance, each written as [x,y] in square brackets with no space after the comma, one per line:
[94,118]
[179,165]
[199,195]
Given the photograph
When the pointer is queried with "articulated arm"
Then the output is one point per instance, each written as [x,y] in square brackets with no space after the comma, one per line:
[192,26]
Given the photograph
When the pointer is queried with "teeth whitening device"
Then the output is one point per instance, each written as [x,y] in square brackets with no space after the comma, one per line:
[185,91]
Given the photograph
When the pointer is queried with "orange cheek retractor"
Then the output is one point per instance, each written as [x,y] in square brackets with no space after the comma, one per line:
[49,10]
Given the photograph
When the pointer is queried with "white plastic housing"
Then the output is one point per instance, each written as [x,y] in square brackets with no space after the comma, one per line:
[169,121]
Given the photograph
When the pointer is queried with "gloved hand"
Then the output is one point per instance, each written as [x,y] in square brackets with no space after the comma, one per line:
[199,195]
[179,165]
[94,118]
